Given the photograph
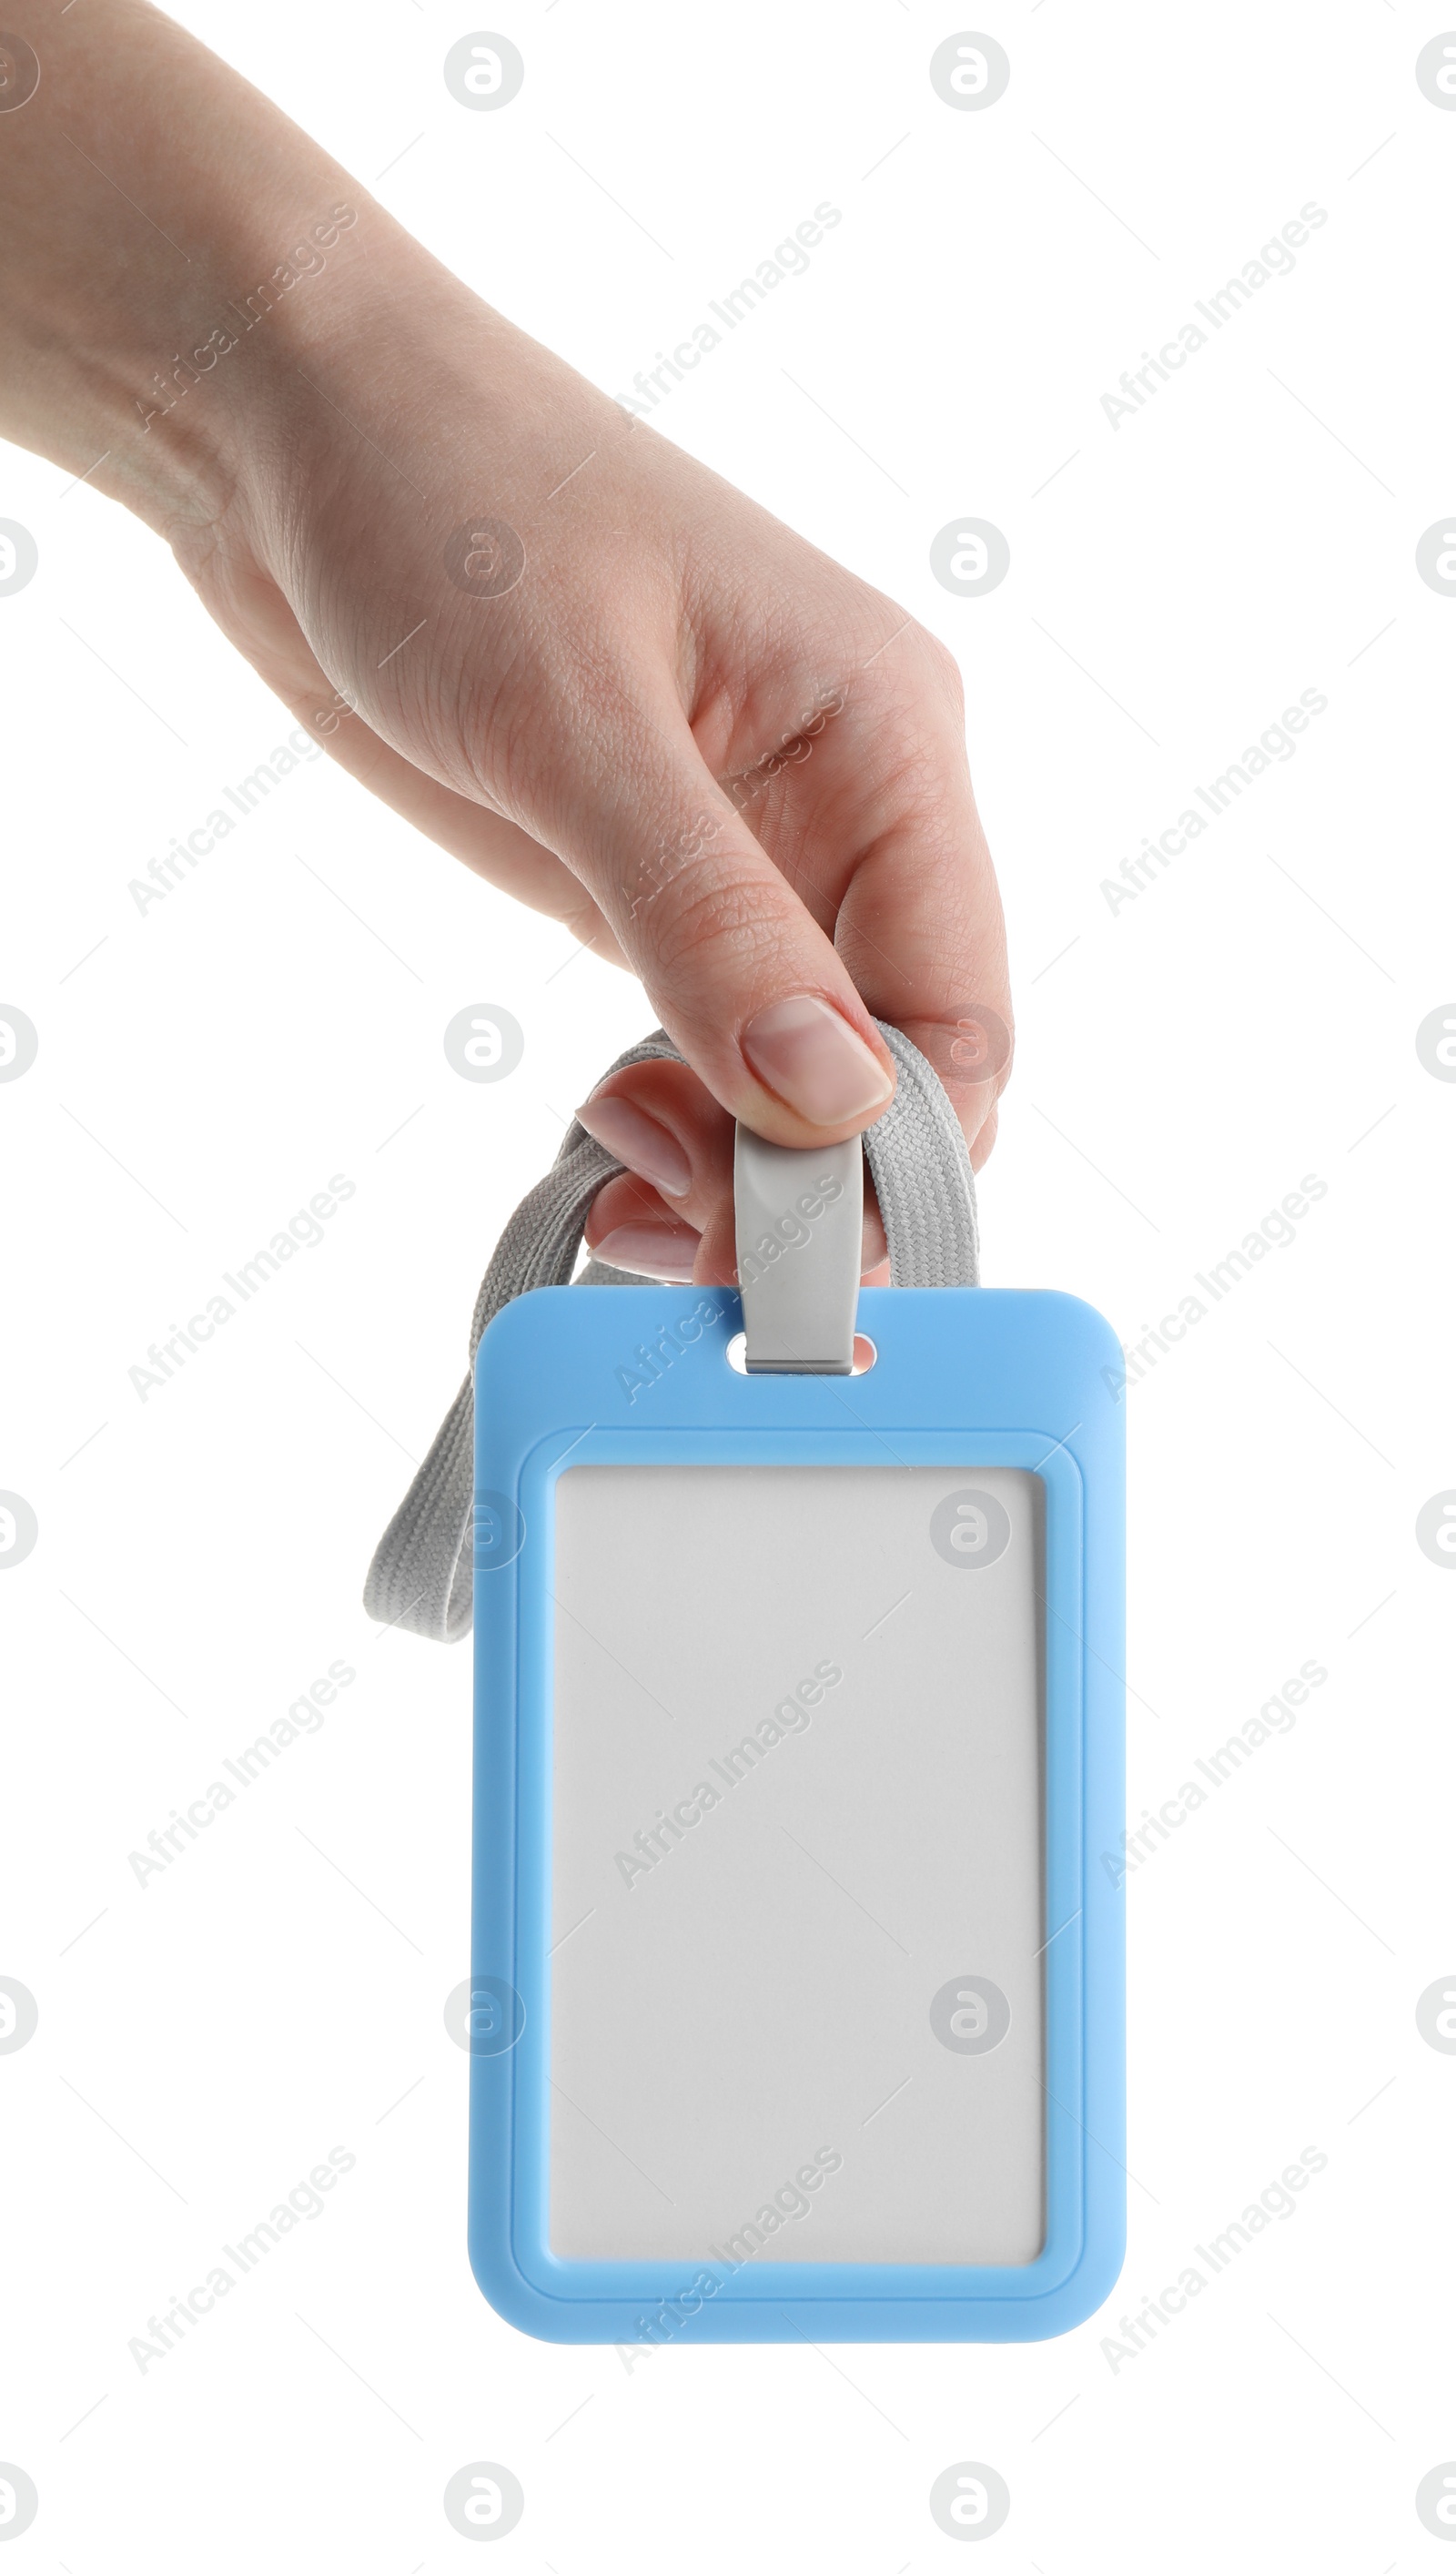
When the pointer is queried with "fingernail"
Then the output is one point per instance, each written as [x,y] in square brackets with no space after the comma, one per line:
[656,1251]
[810,1057]
[638,1140]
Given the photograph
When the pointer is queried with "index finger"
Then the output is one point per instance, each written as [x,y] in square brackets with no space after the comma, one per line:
[878,831]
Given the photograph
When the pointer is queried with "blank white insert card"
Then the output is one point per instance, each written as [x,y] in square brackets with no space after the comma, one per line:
[797,1865]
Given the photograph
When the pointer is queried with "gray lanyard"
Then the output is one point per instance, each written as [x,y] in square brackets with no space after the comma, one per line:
[421,1574]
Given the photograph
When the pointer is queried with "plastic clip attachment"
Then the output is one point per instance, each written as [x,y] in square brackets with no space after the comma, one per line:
[799,1222]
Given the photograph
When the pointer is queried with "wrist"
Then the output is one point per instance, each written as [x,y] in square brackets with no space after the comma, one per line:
[203,415]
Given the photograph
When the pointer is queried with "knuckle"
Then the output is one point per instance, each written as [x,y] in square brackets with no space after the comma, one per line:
[944,665]
[702,915]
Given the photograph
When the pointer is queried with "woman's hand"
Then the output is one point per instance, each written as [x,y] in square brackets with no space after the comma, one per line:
[602,676]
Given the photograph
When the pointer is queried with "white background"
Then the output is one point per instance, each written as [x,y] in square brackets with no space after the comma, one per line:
[1182,1063]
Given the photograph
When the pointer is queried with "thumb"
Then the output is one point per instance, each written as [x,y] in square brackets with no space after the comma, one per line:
[745,982]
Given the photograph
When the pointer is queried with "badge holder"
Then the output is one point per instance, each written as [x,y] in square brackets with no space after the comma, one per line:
[797,2009]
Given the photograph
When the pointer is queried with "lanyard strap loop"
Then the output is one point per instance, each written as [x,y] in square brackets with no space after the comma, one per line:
[421,1574]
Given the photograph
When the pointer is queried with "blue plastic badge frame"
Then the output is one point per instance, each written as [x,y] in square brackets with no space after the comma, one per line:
[1028,1379]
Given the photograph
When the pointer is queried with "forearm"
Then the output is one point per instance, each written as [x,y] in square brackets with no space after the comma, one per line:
[197,304]
[173,246]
